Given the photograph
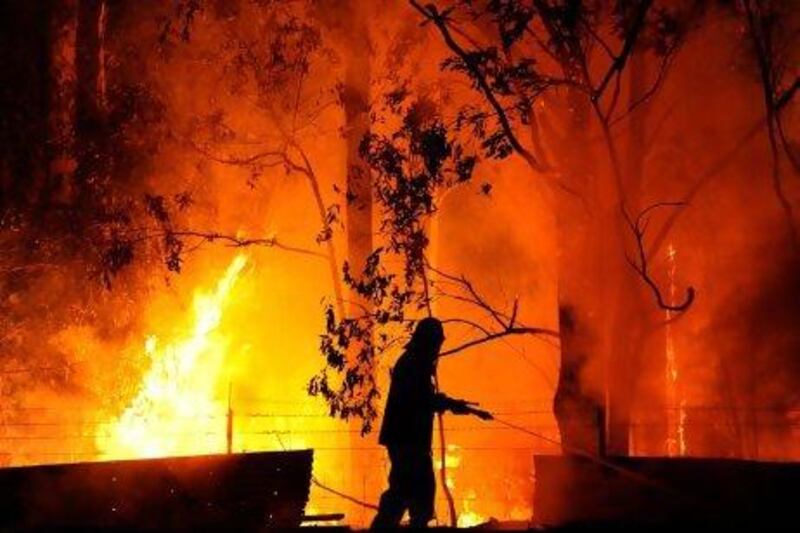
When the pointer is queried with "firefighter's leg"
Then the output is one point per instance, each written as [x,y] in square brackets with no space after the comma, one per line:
[421,506]
[395,499]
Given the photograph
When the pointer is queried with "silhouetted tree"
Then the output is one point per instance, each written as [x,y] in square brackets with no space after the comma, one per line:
[528,51]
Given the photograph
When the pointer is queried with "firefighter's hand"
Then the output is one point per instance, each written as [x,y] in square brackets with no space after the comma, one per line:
[460,407]
[463,407]
[483,415]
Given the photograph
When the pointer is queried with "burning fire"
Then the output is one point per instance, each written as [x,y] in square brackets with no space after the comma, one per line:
[676,421]
[467,516]
[178,410]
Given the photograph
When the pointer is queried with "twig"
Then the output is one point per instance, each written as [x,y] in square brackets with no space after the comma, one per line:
[621,59]
[601,41]
[232,240]
[714,170]
[242,160]
[639,227]
[476,298]
[499,335]
[763,50]
[468,323]
[614,99]
[664,65]
[507,322]
[282,157]
[786,96]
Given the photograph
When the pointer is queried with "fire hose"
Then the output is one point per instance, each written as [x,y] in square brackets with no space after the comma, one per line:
[469,408]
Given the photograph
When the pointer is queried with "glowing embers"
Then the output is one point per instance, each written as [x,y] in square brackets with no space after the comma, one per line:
[178,409]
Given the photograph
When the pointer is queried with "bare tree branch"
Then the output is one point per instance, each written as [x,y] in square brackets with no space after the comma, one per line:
[666,62]
[507,323]
[282,158]
[603,44]
[793,158]
[475,297]
[638,228]
[764,50]
[631,36]
[469,323]
[614,99]
[279,157]
[231,240]
[499,335]
[786,96]
[713,170]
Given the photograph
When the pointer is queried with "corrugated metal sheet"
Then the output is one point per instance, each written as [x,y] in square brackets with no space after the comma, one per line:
[658,491]
[249,490]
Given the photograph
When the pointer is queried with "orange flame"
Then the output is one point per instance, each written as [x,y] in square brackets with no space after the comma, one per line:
[177,410]
[676,408]
[467,516]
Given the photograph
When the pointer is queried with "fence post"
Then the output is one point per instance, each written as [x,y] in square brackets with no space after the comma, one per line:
[229,432]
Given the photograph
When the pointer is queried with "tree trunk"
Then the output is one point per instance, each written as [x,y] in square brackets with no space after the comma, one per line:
[90,84]
[604,311]
[359,184]
[24,68]
[61,120]
[576,402]
[631,309]
[358,211]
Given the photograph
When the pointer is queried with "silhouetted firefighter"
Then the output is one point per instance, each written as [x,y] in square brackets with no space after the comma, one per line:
[407,428]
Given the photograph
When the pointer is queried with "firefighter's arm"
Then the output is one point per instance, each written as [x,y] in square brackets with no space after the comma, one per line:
[441,403]
[459,407]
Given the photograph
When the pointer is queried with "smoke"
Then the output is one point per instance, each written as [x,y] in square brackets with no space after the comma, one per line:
[755,347]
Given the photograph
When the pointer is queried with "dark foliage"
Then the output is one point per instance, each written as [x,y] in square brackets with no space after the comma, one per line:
[411,167]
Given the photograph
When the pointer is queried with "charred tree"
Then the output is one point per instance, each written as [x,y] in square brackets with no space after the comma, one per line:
[355,95]
[24,100]
[355,100]
[578,410]
[90,134]
[61,120]
[632,315]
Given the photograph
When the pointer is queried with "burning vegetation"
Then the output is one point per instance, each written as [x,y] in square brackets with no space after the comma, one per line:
[220,220]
